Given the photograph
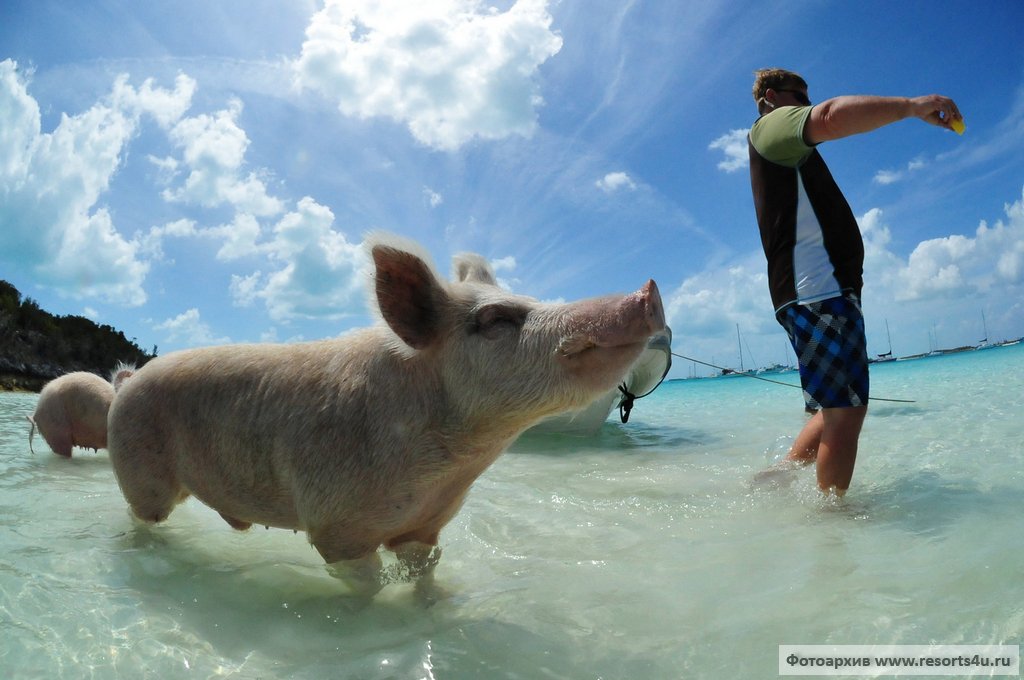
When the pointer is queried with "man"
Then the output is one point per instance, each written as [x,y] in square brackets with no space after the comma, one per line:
[816,255]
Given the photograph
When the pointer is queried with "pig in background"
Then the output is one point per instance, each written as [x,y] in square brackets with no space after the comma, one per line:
[375,437]
[72,410]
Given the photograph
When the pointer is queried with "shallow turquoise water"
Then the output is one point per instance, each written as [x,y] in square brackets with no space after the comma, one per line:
[644,552]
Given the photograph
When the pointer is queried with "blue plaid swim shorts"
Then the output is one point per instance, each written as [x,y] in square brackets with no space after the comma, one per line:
[828,338]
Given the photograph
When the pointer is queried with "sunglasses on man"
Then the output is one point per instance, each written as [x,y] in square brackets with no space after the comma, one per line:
[799,95]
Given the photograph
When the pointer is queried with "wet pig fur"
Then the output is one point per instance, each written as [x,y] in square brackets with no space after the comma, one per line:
[372,438]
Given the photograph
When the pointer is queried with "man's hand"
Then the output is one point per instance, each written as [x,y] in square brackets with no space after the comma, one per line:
[936,109]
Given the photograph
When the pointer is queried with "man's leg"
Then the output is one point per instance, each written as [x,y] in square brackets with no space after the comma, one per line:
[837,452]
[803,452]
[805,448]
[828,338]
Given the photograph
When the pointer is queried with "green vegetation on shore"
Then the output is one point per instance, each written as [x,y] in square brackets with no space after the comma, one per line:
[36,346]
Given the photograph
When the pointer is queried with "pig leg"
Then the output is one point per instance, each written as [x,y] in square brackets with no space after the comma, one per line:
[358,566]
[419,560]
[146,476]
[144,455]
[362,575]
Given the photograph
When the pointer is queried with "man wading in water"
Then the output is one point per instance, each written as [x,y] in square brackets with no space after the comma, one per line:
[816,255]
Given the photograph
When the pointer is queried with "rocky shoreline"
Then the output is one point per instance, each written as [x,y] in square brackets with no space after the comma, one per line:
[21,382]
[19,376]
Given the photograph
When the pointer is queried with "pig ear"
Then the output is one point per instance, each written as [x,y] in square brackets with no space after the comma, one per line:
[409,296]
[473,267]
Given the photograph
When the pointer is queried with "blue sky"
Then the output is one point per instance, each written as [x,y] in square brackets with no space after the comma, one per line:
[200,172]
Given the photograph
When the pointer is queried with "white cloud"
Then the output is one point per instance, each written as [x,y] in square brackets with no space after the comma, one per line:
[270,335]
[615,181]
[19,133]
[151,244]
[887,177]
[311,270]
[213,149]
[450,70]
[714,301]
[321,274]
[433,198]
[165,106]
[506,264]
[891,176]
[240,237]
[94,260]
[734,145]
[167,168]
[955,264]
[190,330]
[51,184]
[245,290]
[935,266]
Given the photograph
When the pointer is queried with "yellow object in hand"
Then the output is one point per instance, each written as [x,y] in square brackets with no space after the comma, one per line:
[958,126]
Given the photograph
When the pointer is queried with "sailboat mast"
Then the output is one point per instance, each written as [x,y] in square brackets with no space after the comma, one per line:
[739,345]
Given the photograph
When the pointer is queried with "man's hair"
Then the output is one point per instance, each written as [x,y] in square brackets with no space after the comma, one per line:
[776,79]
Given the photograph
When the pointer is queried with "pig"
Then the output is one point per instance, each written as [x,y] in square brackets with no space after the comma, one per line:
[72,410]
[373,438]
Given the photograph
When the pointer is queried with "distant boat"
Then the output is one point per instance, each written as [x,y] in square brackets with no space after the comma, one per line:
[775,368]
[885,356]
[739,344]
[644,376]
[983,343]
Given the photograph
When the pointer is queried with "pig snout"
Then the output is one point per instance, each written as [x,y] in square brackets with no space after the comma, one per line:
[616,321]
[648,307]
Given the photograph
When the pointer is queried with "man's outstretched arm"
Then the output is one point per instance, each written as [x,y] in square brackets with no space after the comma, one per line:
[853,114]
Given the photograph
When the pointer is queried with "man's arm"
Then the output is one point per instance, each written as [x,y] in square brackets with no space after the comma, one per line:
[853,114]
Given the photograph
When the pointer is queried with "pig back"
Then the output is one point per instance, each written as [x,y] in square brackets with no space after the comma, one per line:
[87,399]
[262,431]
[72,410]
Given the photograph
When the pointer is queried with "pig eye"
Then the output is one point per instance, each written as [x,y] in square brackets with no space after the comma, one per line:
[495,320]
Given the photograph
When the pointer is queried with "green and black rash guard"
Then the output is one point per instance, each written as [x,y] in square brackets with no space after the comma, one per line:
[810,236]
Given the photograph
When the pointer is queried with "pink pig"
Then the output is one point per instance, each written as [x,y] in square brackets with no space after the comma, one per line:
[72,410]
[375,437]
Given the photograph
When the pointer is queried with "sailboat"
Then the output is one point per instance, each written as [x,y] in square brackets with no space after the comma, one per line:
[739,344]
[885,356]
[983,343]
